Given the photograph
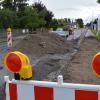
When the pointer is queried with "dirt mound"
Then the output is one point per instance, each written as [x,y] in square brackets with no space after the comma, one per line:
[43,43]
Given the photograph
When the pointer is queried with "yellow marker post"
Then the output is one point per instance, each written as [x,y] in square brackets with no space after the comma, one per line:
[9,30]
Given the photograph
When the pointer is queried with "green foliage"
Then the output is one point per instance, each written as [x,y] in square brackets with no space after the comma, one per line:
[97,34]
[17,14]
[30,19]
[98,37]
[14,4]
[48,18]
[7,4]
[8,18]
[57,23]
[80,22]
[61,22]
[39,6]
[54,24]
[46,14]
[41,16]
[98,1]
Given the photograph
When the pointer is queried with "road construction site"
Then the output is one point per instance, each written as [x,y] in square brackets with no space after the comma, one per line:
[52,55]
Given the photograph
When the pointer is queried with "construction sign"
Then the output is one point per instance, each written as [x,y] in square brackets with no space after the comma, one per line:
[17,62]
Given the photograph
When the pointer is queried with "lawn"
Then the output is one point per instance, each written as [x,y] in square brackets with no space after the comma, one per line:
[97,36]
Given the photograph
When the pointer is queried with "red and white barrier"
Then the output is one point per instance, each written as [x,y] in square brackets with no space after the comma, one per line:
[40,90]
[9,38]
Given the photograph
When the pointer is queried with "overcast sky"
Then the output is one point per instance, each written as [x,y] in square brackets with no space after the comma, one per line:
[86,9]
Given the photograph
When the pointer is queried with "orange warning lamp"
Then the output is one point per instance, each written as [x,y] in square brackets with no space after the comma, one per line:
[17,62]
[13,62]
[96,64]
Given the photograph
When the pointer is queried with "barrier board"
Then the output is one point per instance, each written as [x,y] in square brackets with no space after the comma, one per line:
[41,90]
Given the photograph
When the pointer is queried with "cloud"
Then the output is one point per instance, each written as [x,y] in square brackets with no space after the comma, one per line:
[86,9]
[68,9]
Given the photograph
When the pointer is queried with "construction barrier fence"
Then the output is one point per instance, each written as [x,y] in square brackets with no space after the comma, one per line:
[41,90]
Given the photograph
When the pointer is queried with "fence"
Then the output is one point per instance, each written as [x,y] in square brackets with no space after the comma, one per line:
[18,32]
[41,90]
[15,32]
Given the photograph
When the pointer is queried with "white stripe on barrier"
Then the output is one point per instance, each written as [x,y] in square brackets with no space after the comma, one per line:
[99,95]
[23,90]
[64,94]
[6,78]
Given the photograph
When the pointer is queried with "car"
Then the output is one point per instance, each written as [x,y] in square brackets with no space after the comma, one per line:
[61,32]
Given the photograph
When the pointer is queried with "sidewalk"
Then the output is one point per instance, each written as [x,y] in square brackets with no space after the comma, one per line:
[76,34]
[79,70]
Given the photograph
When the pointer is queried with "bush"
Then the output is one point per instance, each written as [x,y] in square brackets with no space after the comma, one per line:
[97,35]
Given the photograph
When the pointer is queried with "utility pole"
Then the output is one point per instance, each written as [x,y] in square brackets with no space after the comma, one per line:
[92,20]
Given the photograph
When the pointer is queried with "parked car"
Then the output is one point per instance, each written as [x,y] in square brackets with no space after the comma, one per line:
[62,33]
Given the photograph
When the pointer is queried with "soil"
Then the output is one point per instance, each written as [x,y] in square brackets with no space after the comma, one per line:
[79,69]
[51,55]
[43,43]
[46,52]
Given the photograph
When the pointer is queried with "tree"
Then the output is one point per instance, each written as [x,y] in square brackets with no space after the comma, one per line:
[80,22]
[20,4]
[69,20]
[7,4]
[8,18]
[46,15]
[17,5]
[98,1]
[66,20]
[60,22]
[39,6]
[48,18]
[41,16]
[31,19]
[54,24]
[17,13]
